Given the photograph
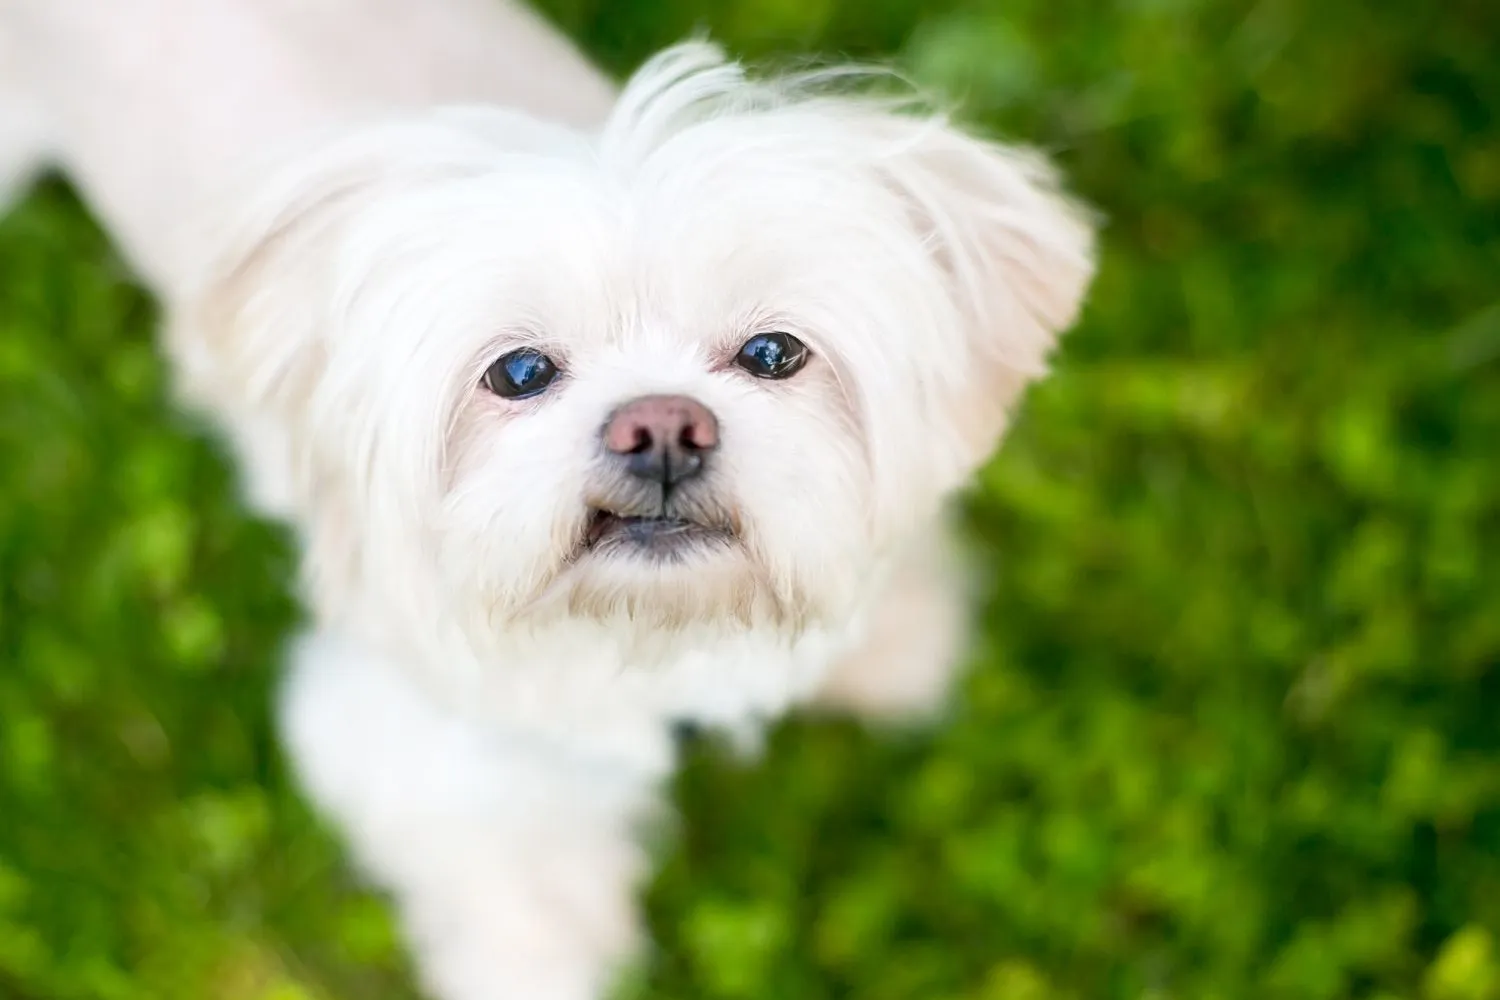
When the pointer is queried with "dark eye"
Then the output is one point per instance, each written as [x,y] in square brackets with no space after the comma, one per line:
[772,355]
[520,374]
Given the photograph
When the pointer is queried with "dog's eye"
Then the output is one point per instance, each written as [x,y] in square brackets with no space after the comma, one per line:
[520,374]
[772,355]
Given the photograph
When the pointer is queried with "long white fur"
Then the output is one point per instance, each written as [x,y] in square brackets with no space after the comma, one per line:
[481,705]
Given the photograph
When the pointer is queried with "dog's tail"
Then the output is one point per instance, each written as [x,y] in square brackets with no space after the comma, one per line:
[25,143]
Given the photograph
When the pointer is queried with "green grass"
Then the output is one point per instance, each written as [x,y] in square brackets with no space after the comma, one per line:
[1232,728]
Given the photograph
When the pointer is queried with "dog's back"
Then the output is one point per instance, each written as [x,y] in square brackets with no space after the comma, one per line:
[145,104]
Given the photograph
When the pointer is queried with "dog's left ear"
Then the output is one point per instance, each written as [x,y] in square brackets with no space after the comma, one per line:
[1017,255]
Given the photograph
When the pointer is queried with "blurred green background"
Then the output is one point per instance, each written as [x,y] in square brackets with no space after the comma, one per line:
[1232,728]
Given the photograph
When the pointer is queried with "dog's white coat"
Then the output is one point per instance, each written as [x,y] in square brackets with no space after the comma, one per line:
[483,706]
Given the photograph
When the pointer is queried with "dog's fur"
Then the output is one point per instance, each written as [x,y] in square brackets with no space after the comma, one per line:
[485,703]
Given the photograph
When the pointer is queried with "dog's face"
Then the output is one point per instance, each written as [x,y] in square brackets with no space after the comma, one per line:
[710,366]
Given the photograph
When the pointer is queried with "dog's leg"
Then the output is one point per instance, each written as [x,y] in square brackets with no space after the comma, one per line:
[512,870]
[903,668]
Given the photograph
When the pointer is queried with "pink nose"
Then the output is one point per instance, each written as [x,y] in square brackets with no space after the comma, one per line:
[663,439]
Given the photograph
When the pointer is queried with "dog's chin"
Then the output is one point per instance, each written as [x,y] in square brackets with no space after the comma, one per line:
[659,572]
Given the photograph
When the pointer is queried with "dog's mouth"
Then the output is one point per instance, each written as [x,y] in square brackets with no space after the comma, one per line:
[658,535]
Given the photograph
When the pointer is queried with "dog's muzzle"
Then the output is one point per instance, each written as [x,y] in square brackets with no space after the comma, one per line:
[658,451]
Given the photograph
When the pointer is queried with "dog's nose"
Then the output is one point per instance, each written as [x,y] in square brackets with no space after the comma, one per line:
[663,439]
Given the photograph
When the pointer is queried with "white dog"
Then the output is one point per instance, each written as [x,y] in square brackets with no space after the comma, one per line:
[595,411]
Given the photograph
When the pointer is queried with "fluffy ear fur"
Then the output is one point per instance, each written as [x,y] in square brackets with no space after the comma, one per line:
[248,350]
[1018,257]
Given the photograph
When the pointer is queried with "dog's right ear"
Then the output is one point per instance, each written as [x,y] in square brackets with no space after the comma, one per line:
[251,335]
[245,335]
[253,332]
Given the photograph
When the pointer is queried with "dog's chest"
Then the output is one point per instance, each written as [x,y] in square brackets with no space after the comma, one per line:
[589,688]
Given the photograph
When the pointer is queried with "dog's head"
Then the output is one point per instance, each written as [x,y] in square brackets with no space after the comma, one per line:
[707,365]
